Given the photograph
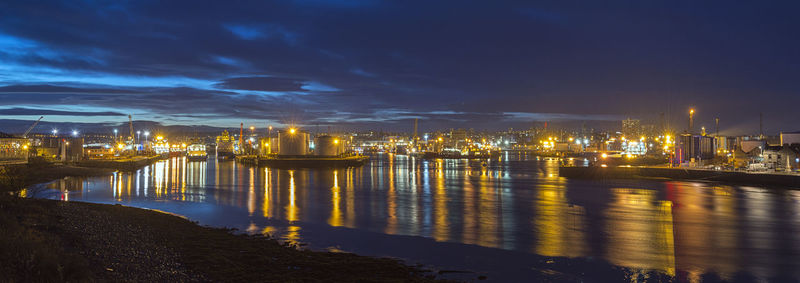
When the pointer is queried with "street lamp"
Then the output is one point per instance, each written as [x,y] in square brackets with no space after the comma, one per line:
[115,135]
[55,132]
[691,120]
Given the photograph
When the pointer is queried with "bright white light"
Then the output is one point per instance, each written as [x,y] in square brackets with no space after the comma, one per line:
[74,133]
[55,131]
[146,133]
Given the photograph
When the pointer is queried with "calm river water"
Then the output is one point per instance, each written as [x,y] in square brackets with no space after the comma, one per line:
[496,220]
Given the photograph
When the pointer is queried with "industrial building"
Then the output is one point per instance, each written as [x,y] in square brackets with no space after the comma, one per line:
[790,138]
[13,150]
[694,148]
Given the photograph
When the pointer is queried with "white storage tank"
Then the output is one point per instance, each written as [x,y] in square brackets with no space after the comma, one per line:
[292,142]
[328,146]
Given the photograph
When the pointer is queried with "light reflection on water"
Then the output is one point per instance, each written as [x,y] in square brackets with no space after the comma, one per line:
[516,203]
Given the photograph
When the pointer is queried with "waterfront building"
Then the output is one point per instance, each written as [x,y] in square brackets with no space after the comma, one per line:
[781,158]
[631,128]
[13,150]
[790,138]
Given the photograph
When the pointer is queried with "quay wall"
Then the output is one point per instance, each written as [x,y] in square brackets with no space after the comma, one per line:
[120,164]
[787,180]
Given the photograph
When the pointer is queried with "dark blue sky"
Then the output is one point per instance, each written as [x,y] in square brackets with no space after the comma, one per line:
[471,64]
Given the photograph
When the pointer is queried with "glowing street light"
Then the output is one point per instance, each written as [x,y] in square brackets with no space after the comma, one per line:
[55,132]
[292,130]
[74,133]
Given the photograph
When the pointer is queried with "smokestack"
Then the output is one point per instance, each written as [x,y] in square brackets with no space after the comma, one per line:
[761,125]
[716,127]
[416,124]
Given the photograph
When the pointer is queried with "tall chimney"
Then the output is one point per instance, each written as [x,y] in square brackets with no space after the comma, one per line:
[416,124]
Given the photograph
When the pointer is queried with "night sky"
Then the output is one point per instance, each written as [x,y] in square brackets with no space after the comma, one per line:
[368,64]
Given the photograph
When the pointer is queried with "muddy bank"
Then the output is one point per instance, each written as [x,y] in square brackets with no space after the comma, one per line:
[51,240]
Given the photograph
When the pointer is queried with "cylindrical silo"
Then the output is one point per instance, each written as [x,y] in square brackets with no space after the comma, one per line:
[293,142]
[328,146]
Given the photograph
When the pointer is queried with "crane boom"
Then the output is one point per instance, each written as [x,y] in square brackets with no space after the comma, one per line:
[25,135]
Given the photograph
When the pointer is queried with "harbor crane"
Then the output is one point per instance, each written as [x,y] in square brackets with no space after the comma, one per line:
[25,135]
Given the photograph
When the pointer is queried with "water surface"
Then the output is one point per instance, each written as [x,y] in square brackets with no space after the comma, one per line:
[497,219]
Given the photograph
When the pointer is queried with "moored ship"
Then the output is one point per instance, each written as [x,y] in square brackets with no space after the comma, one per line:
[196,152]
[225,144]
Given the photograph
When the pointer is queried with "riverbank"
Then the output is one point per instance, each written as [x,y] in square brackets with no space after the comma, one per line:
[47,240]
[766,179]
[17,177]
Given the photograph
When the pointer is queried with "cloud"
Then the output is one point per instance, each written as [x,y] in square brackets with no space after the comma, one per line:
[523,116]
[245,32]
[261,83]
[468,64]
[32,111]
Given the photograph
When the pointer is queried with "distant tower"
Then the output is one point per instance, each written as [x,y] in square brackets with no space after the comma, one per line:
[716,127]
[416,125]
[241,133]
[130,124]
[761,125]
